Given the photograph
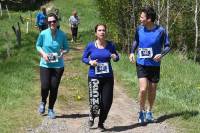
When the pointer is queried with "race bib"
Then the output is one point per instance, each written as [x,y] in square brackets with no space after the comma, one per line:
[53,57]
[145,52]
[102,68]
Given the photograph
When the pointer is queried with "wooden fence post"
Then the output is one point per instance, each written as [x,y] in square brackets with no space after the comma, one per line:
[8,11]
[27,26]
[17,32]
[21,18]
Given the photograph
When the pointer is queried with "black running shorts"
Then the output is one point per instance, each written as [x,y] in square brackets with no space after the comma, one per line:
[152,73]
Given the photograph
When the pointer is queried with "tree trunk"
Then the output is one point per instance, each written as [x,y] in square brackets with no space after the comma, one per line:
[167,19]
[1,9]
[158,21]
[196,30]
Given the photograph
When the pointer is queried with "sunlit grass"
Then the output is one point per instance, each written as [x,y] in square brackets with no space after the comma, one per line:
[18,88]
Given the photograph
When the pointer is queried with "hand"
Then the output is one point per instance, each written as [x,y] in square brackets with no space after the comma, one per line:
[62,52]
[61,55]
[132,58]
[157,57]
[113,56]
[45,56]
[93,62]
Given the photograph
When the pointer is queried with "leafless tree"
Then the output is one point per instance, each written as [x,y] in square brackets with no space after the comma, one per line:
[196,29]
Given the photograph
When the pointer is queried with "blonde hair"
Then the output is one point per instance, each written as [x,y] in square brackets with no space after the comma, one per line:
[74,12]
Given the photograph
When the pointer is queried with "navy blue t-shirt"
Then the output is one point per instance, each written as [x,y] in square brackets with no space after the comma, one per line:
[104,68]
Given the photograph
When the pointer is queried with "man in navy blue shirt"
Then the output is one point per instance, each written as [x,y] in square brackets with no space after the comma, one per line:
[152,43]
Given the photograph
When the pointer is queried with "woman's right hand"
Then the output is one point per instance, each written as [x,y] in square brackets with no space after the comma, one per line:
[93,62]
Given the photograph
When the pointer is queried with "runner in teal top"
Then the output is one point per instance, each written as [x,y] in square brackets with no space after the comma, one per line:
[49,45]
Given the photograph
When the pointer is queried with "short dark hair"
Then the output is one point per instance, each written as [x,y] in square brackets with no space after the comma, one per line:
[95,29]
[53,15]
[150,13]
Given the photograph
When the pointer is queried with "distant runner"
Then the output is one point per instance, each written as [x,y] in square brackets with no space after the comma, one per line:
[74,21]
[41,19]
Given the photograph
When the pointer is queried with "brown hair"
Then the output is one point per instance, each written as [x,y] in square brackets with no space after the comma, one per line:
[95,29]
[150,13]
[53,15]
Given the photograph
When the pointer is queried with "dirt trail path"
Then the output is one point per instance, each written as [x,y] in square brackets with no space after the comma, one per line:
[122,118]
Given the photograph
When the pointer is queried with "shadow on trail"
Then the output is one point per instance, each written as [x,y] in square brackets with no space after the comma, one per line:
[184,114]
[124,128]
[74,116]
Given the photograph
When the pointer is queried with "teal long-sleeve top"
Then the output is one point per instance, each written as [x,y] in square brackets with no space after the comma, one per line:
[49,45]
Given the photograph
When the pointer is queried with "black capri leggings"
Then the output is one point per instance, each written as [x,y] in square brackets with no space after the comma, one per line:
[50,80]
[100,97]
[74,31]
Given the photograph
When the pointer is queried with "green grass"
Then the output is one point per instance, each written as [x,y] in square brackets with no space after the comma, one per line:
[18,88]
[178,92]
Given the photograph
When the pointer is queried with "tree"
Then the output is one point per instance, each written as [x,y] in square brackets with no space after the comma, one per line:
[196,29]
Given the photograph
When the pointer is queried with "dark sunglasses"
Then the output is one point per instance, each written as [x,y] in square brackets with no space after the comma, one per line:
[101,30]
[54,21]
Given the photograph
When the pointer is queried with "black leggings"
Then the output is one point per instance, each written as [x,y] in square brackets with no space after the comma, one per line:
[50,80]
[74,31]
[100,97]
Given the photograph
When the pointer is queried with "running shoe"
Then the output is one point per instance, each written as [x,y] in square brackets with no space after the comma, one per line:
[141,117]
[149,117]
[51,114]
[90,121]
[101,127]
[41,108]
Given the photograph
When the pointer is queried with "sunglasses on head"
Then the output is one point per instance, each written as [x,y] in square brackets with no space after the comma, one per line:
[53,21]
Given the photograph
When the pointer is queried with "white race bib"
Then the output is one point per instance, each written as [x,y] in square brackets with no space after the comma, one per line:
[102,68]
[53,57]
[145,52]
